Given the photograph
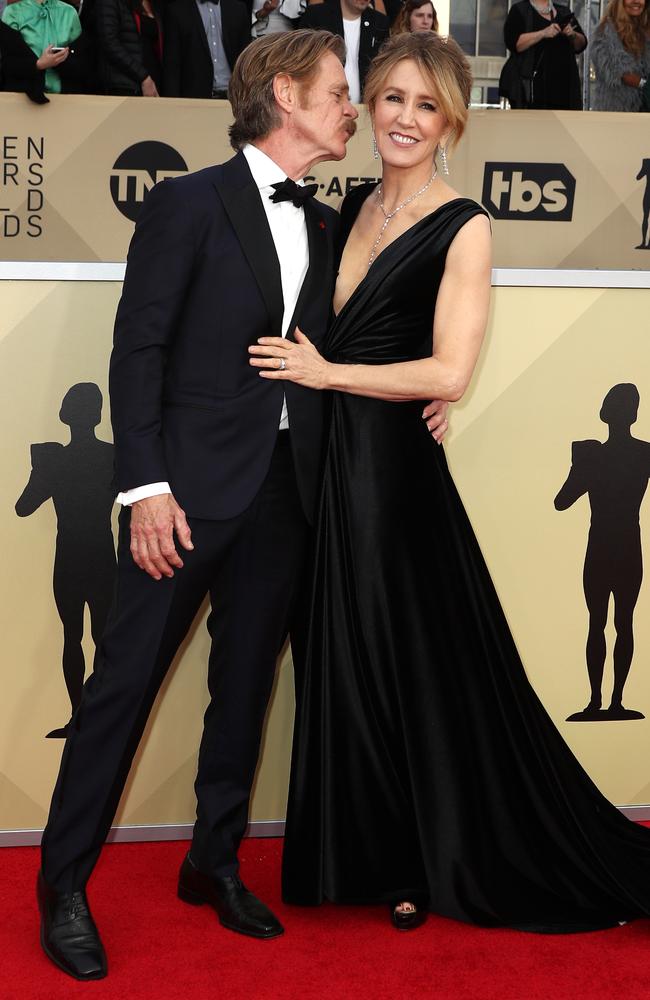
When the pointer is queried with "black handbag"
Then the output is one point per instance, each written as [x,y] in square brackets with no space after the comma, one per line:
[516,82]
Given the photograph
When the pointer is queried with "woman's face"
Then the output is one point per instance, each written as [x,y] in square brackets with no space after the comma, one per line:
[408,124]
[634,8]
[422,18]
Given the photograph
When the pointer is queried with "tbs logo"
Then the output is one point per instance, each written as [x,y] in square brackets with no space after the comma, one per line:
[137,169]
[530,191]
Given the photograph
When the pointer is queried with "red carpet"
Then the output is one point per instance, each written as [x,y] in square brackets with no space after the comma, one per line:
[162,949]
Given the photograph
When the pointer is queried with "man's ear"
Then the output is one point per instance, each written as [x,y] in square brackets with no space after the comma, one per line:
[284,91]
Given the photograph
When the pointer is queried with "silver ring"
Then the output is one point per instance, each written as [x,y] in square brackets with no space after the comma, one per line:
[283,364]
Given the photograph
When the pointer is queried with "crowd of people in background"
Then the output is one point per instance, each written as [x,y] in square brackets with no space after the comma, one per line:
[187,48]
[544,39]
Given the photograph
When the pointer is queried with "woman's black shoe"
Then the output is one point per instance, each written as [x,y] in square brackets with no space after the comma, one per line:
[407,920]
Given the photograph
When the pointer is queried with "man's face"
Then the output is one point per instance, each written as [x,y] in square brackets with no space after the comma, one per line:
[324,119]
[353,8]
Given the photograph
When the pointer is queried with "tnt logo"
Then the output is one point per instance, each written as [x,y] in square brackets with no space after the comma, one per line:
[531,191]
[138,169]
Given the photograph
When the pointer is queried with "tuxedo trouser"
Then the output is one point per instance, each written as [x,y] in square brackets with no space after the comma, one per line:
[252,567]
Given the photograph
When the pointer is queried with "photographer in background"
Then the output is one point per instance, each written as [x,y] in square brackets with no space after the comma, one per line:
[620,53]
[544,39]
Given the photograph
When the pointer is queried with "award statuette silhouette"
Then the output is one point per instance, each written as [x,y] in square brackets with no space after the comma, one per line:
[77,477]
[645,172]
[614,474]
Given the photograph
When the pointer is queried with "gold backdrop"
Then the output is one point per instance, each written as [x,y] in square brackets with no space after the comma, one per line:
[539,386]
[550,357]
[564,187]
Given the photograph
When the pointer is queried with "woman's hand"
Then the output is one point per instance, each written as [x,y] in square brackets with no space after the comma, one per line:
[50,60]
[552,31]
[530,38]
[299,362]
[435,417]
[576,38]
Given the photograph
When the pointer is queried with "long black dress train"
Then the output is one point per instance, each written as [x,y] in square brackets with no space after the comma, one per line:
[424,764]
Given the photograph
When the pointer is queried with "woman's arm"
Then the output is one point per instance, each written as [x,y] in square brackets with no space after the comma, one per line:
[516,38]
[611,59]
[576,36]
[458,331]
[530,38]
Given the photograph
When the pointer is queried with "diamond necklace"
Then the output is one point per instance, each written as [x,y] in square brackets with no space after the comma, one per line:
[391,215]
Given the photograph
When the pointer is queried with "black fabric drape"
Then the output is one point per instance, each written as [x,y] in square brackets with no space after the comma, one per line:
[424,764]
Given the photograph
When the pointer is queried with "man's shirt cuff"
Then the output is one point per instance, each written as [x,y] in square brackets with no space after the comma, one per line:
[129,497]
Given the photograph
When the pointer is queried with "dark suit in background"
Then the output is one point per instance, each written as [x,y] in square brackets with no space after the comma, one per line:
[202,284]
[375,28]
[187,61]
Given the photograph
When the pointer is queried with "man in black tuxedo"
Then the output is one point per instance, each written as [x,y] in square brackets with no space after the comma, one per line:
[362,27]
[203,39]
[219,258]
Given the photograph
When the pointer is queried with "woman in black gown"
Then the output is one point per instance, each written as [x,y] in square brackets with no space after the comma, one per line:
[547,39]
[425,770]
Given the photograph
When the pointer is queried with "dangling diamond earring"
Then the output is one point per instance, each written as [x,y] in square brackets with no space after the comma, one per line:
[375,151]
[443,157]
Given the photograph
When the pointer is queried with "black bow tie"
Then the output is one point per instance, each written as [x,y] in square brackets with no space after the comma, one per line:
[290,191]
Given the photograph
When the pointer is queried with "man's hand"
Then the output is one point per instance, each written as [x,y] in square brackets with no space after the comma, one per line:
[153,523]
[148,88]
[435,415]
[267,7]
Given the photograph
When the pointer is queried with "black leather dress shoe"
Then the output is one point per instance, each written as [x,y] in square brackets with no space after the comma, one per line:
[237,908]
[68,933]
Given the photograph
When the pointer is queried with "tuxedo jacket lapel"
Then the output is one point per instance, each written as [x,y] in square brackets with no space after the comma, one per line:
[316,281]
[241,200]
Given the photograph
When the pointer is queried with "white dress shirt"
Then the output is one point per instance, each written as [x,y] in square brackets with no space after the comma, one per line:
[352,34]
[289,232]
[283,18]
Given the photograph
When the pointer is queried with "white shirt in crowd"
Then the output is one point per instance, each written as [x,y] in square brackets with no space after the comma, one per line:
[352,33]
[289,232]
[283,18]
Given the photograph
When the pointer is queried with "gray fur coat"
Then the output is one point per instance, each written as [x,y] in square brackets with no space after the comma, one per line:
[611,60]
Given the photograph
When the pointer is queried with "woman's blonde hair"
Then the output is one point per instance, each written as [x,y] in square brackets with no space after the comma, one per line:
[442,64]
[631,30]
[403,20]
[250,92]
